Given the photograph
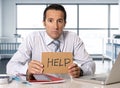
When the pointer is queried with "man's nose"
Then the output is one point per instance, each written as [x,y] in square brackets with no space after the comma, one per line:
[56,24]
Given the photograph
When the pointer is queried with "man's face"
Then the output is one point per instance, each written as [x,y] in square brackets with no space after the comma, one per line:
[54,23]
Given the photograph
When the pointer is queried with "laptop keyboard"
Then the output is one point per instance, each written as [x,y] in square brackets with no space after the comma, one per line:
[99,78]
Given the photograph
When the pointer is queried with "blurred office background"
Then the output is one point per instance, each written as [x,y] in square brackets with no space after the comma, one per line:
[95,21]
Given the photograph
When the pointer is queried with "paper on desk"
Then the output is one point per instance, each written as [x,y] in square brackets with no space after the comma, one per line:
[45,78]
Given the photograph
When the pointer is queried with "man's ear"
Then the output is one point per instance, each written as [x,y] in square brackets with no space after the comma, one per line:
[65,24]
[44,23]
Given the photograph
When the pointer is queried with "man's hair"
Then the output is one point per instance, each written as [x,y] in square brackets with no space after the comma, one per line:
[54,7]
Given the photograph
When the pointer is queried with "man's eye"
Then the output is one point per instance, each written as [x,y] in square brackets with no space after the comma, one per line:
[50,20]
[60,21]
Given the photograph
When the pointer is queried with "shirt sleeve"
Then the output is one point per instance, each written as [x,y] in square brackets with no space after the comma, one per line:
[19,62]
[82,58]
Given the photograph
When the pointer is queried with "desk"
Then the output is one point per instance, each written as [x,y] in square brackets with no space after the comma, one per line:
[75,83]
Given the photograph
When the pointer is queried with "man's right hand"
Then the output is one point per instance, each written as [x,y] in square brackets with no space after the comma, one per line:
[34,67]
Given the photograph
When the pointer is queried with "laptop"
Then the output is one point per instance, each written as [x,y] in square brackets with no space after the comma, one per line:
[112,77]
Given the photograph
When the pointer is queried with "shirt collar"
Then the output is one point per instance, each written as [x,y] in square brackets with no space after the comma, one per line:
[48,39]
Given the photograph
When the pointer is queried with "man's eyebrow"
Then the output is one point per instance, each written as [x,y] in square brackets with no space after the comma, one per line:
[60,19]
[57,19]
[50,18]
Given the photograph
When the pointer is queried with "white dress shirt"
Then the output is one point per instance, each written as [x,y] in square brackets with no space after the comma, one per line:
[37,42]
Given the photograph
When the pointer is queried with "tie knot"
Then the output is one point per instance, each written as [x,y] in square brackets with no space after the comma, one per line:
[56,42]
[57,45]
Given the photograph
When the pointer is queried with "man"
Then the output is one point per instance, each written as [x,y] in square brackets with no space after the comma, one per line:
[27,60]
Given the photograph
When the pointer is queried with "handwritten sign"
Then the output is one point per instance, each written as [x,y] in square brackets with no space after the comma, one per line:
[56,62]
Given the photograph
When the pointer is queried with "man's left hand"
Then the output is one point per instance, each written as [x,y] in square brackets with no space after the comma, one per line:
[74,70]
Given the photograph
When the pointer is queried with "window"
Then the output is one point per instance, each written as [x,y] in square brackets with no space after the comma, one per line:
[90,17]
[114,19]
[71,16]
[90,22]
[30,16]
[93,24]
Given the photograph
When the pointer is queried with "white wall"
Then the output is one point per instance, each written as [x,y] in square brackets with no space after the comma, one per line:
[119,16]
[9,11]
[8,17]
[0,17]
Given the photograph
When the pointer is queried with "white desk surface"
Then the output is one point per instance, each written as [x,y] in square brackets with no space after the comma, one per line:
[68,84]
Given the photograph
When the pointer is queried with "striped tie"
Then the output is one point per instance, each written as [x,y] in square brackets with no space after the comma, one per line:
[56,45]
